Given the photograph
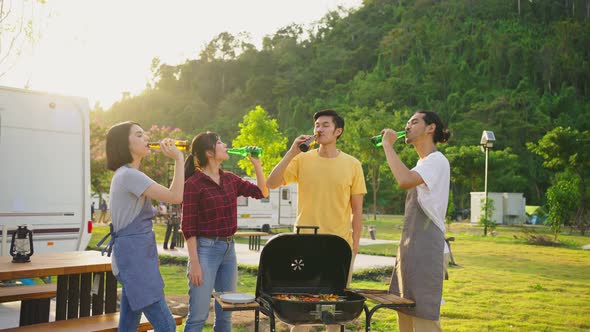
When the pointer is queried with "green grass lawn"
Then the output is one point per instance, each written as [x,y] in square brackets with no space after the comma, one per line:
[503,283]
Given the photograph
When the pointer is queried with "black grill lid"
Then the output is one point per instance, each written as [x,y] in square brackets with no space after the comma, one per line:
[304,263]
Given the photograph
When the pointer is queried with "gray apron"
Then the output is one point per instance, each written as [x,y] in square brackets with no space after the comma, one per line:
[419,268]
[137,259]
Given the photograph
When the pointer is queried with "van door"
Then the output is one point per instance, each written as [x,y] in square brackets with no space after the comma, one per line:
[287,208]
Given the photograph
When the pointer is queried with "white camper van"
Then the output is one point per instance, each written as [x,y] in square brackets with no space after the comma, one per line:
[44,170]
[278,210]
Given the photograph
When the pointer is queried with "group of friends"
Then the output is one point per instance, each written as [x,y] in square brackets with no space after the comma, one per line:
[331,187]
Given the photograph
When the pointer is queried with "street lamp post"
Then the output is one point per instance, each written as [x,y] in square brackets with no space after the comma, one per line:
[487,141]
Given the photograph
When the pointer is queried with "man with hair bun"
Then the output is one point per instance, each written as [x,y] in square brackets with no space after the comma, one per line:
[419,270]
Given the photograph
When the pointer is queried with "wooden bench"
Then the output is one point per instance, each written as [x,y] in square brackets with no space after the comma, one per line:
[35,300]
[253,238]
[106,322]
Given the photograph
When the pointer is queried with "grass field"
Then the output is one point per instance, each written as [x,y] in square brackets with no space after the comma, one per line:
[503,283]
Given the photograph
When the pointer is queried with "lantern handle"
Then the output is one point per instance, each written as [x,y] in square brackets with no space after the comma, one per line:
[30,233]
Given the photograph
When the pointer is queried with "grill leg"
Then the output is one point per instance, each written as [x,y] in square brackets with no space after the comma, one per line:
[367,318]
[256,320]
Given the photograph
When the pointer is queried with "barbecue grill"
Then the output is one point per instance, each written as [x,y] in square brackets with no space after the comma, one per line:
[307,264]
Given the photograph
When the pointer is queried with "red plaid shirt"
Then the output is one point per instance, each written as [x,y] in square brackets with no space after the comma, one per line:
[209,209]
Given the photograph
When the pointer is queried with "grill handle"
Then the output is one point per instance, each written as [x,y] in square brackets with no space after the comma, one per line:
[265,300]
[315,229]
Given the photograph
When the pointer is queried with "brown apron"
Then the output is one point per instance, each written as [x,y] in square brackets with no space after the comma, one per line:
[418,272]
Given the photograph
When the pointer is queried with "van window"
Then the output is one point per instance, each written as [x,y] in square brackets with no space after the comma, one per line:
[242,201]
[286,193]
[265,200]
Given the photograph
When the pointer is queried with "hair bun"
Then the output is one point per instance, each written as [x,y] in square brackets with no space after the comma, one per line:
[446,135]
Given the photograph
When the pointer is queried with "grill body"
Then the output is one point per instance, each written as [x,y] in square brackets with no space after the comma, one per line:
[307,264]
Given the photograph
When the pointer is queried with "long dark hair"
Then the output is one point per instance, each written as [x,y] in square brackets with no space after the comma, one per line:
[441,134]
[203,142]
[117,146]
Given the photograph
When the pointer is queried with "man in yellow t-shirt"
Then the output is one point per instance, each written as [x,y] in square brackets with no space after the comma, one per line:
[331,185]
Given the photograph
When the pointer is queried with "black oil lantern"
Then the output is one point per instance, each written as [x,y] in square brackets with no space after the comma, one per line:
[21,247]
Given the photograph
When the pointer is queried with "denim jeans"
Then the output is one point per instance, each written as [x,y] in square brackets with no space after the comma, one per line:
[158,314]
[220,273]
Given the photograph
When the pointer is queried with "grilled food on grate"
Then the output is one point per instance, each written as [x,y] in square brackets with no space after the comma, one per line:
[310,297]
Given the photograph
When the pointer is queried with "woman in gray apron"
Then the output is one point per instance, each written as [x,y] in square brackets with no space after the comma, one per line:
[419,269]
[133,242]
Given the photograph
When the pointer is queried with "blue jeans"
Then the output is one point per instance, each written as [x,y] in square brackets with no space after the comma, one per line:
[158,314]
[220,272]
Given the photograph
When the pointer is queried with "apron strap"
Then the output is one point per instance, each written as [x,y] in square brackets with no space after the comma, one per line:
[109,247]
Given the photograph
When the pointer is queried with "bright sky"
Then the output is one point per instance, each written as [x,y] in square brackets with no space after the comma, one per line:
[101,48]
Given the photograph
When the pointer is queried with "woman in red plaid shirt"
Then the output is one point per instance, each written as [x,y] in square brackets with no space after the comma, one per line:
[209,221]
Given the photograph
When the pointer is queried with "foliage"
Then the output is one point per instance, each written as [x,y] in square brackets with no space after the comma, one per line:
[485,219]
[450,210]
[562,200]
[519,69]
[100,180]
[258,129]
[468,168]
[361,123]
[19,29]
[560,154]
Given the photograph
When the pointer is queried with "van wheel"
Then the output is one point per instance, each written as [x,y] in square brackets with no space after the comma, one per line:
[265,228]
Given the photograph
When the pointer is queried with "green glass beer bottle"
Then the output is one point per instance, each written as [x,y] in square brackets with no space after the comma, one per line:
[254,150]
[376,140]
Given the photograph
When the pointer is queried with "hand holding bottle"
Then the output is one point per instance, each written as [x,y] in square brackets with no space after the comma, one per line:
[170,149]
[390,136]
[295,147]
[308,144]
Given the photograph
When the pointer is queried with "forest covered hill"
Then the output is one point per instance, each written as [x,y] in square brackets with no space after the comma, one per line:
[517,68]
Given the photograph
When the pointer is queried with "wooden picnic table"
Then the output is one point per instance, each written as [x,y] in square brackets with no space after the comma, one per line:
[77,273]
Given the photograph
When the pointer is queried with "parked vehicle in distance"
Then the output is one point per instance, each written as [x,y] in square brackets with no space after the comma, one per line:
[278,210]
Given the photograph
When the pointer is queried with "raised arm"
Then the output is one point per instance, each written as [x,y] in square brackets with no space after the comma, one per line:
[275,179]
[260,179]
[174,193]
[405,177]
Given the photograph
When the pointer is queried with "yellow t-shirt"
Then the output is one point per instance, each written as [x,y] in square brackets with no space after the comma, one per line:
[324,189]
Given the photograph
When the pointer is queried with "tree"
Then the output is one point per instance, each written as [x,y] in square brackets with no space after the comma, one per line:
[562,199]
[258,129]
[361,124]
[485,219]
[567,149]
[19,28]
[100,176]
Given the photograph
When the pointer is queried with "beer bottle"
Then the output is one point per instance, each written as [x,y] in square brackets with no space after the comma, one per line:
[305,146]
[254,150]
[181,145]
[376,140]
